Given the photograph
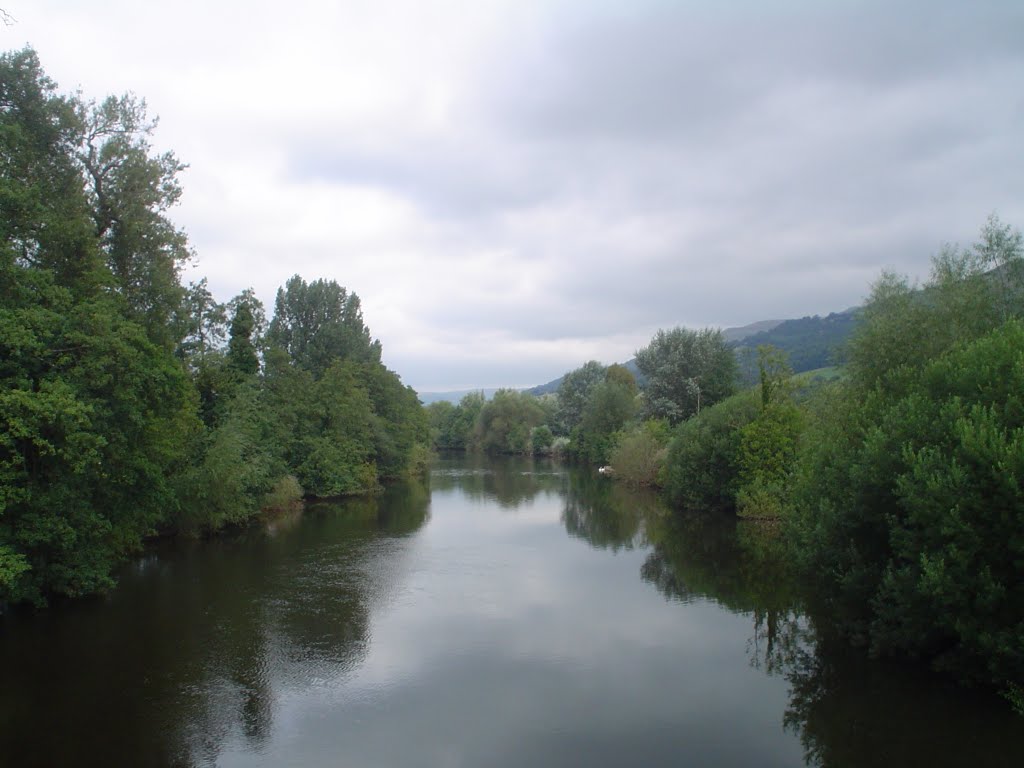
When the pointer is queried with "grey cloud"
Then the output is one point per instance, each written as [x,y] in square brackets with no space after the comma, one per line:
[781,156]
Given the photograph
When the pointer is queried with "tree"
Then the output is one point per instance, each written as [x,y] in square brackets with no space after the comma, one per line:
[248,324]
[44,215]
[573,393]
[702,468]
[318,323]
[910,501]
[685,371]
[202,324]
[96,418]
[639,454]
[130,191]
[505,424]
[610,407]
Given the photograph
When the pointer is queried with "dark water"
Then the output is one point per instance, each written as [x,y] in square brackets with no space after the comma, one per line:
[511,613]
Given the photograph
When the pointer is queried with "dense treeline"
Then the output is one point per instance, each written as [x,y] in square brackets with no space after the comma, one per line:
[131,404]
[898,484]
[599,414]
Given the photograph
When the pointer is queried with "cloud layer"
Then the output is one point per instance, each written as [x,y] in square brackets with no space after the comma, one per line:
[513,188]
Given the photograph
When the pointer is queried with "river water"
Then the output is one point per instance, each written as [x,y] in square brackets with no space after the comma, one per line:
[506,613]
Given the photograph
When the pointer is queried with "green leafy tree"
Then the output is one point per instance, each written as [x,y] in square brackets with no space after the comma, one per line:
[441,417]
[611,405]
[769,444]
[452,426]
[318,323]
[910,497]
[248,323]
[639,454]
[202,324]
[130,190]
[505,423]
[685,371]
[97,414]
[573,393]
[44,217]
[400,424]
[702,469]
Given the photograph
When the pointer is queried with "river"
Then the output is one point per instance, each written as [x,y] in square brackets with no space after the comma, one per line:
[505,613]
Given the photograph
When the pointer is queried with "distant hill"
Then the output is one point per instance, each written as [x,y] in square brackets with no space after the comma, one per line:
[738,334]
[810,342]
[453,396]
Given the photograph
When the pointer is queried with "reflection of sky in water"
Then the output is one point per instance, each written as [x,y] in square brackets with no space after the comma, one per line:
[505,619]
[495,639]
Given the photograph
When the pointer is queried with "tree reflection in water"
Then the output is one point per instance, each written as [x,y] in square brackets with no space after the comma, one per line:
[508,480]
[848,710]
[243,619]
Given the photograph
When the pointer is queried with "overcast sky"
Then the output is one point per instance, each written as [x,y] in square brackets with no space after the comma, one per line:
[513,188]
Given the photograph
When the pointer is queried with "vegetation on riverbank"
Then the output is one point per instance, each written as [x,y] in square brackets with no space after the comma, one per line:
[896,480]
[132,404]
[898,484]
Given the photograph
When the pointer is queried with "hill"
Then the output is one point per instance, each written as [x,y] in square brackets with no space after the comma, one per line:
[810,342]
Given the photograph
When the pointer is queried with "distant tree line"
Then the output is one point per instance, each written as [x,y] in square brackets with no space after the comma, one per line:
[599,415]
[131,404]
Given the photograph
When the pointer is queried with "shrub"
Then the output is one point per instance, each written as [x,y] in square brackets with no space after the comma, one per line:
[285,493]
[702,467]
[639,455]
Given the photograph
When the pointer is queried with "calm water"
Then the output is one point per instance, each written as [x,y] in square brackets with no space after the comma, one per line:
[509,613]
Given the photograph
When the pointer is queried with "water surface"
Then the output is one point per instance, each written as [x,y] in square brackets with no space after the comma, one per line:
[507,613]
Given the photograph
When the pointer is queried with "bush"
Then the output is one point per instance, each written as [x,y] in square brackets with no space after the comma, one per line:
[542,438]
[767,459]
[702,467]
[913,515]
[639,455]
[284,494]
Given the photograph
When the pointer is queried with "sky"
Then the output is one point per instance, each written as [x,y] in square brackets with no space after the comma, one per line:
[514,188]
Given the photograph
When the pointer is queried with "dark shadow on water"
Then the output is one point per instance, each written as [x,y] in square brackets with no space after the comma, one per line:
[241,618]
[202,641]
[848,710]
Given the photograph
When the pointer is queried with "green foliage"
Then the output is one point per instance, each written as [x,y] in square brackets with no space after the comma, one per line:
[505,423]
[400,423]
[573,394]
[96,421]
[122,411]
[769,443]
[685,371]
[911,508]
[611,405]
[1015,695]
[542,439]
[45,221]
[639,454]
[808,342]
[202,324]
[767,461]
[318,323]
[246,330]
[284,494]
[129,190]
[702,468]
[233,471]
